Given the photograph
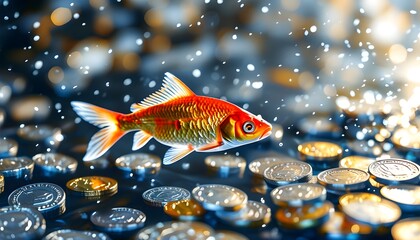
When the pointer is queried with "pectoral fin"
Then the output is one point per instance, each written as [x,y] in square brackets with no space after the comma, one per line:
[140,139]
[175,154]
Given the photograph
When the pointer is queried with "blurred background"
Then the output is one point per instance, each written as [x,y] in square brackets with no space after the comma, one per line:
[350,70]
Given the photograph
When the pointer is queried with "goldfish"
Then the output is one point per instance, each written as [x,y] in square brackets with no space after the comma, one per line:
[174,116]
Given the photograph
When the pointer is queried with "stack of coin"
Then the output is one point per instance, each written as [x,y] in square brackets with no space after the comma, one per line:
[48,198]
[394,171]
[118,219]
[8,148]
[301,205]
[225,165]
[21,223]
[341,180]
[140,164]
[93,187]
[160,196]
[52,163]
[321,155]
[76,234]
[367,208]
[288,172]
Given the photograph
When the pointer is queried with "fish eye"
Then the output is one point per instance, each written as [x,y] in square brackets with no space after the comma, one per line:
[248,127]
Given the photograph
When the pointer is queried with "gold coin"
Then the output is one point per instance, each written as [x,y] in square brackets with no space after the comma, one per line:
[320,151]
[1,183]
[369,209]
[186,210]
[307,216]
[355,161]
[338,226]
[408,228]
[92,186]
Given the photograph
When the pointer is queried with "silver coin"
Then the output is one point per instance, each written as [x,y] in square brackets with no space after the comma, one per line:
[395,171]
[298,194]
[47,198]
[76,234]
[55,162]
[406,196]
[254,214]
[17,167]
[21,223]
[216,197]
[40,132]
[156,231]
[258,166]
[288,172]
[225,164]
[159,196]
[189,231]
[8,148]
[343,179]
[139,163]
[118,219]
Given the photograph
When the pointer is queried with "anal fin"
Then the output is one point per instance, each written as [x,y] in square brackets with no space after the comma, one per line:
[176,154]
[140,139]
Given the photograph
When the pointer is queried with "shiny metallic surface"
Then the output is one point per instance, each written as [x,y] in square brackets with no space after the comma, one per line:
[118,219]
[55,162]
[395,171]
[288,172]
[217,197]
[139,163]
[344,179]
[406,196]
[159,196]
[298,194]
[21,223]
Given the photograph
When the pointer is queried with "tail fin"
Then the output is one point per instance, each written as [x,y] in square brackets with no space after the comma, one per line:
[103,118]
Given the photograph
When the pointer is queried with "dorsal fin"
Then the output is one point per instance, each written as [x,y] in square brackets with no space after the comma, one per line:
[172,88]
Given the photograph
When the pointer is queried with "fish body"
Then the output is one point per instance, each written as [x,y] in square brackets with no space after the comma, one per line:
[176,117]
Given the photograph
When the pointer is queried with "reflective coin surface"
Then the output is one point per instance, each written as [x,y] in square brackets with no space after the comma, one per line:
[288,172]
[159,196]
[225,163]
[254,214]
[355,161]
[188,209]
[324,151]
[259,165]
[343,179]
[395,171]
[55,162]
[17,167]
[408,228]
[76,234]
[48,198]
[118,219]
[298,194]
[406,196]
[364,208]
[93,186]
[139,163]
[308,216]
[216,197]
[21,223]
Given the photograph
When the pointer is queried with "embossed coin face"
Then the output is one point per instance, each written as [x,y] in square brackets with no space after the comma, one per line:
[364,208]
[408,228]
[118,219]
[55,162]
[298,194]
[48,198]
[21,223]
[17,167]
[75,234]
[188,209]
[406,196]
[395,171]
[139,163]
[288,172]
[216,197]
[93,186]
[355,161]
[343,179]
[8,148]
[324,151]
[258,166]
[159,196]
[254,214]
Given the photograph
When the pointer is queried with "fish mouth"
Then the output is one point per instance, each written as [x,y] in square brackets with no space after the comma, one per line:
[265,134]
